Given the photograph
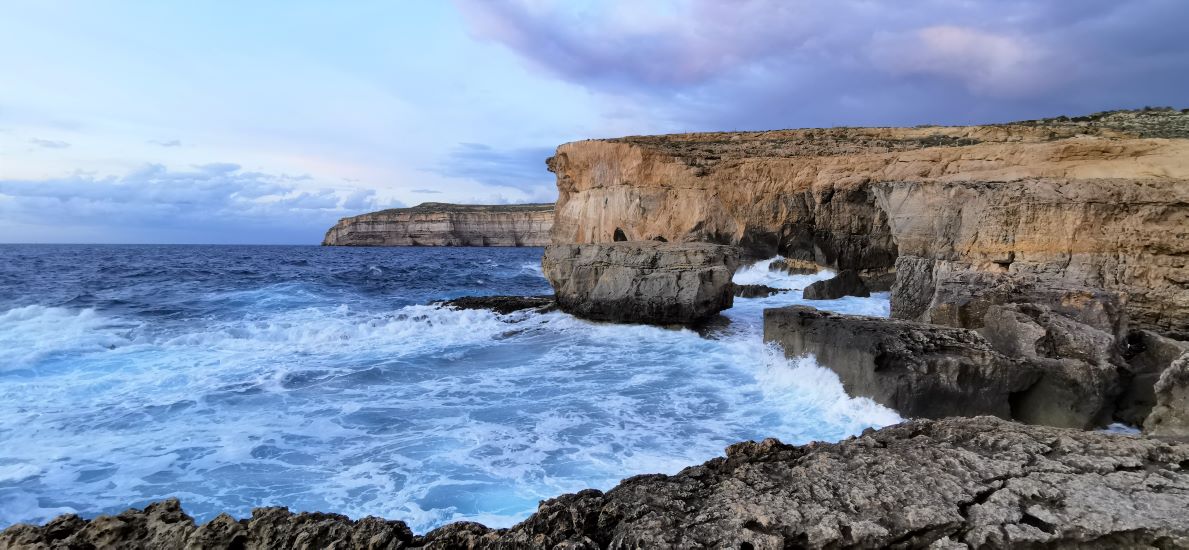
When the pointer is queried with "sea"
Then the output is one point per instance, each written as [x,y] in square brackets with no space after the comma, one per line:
[325,379]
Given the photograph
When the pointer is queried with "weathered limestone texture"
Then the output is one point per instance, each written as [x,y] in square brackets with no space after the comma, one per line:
[440,224]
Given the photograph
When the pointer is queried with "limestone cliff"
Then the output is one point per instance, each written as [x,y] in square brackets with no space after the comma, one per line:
[441,224]
[1099,201]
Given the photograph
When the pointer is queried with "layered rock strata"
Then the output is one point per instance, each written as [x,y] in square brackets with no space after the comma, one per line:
[645,282]
[441,224]
[1099,201]
[955,483]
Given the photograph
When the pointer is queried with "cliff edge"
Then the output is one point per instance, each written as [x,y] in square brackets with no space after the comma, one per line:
[442,224]
[1100,201]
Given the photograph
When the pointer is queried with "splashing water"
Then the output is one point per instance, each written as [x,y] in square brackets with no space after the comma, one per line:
[318,379]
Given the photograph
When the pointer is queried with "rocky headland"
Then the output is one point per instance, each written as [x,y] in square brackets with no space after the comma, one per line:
[442,224]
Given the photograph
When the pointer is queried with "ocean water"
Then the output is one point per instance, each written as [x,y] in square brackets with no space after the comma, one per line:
[319,379]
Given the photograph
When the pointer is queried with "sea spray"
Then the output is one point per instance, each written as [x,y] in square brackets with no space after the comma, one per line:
[297,376]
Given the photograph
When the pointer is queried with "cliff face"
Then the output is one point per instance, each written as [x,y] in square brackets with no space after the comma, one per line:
[440,224]
[1100,201]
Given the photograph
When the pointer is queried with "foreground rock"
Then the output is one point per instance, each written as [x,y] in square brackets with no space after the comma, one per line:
[441,224]
[955,483]
[1100,201]
[642,281]
[845,283]
[1170,416]
[503,304]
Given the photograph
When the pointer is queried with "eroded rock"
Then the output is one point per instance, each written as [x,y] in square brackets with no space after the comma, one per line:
[918,369]
[1148,354]
[954,483]
[642,281]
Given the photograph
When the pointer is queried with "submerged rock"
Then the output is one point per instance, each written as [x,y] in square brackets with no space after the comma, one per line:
[954,483]
[756,291]
[642,281]
[845,283]
[503,304]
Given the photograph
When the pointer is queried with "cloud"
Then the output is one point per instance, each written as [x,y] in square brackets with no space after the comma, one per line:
[522,169]
[49,143]
[166,142]
[212,203]
[707,64]
[425,191]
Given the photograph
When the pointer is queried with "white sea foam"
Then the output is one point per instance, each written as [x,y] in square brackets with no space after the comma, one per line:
[421,413]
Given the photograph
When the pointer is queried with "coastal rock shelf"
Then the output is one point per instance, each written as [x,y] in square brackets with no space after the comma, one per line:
[955,483]
[441,224]
[1099,201]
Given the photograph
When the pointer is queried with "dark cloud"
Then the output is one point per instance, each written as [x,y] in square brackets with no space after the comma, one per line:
[213,203]
[707,64]
[49,143]
[522,169]
[166,142]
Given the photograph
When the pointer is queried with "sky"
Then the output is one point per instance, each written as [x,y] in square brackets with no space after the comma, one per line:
[264,122]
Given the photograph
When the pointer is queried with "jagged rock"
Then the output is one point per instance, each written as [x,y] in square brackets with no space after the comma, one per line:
[793,266]
[920,370]
[1170,416]
[503,304]
[642,281]
[163,525]
[755,291]
[1100,204]
[1078,365]
[1148,354]
[1027,363]
[441,224]
[954,483]
[845,283]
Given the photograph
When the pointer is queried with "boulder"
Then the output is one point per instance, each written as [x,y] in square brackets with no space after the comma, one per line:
[918,369]
[642,281]
[1147,355]
[1170,416]
[846,283]
[953,483]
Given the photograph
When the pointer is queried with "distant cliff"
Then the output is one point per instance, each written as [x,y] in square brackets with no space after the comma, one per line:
[441,224]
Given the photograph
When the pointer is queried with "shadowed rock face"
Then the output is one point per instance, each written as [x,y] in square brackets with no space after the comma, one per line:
[1170,416]
[642,281]
[1027,363]
[846,283]
[955,483]
[440,224]
[1099,201]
